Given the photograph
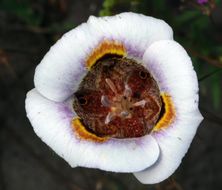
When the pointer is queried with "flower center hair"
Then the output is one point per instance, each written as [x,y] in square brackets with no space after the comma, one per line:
[118,98]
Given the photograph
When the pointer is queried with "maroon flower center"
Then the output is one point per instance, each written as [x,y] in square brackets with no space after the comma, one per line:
[118,98]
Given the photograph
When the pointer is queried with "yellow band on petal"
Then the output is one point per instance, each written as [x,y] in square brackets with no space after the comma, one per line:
[104,48]
[168,115]
[82,133]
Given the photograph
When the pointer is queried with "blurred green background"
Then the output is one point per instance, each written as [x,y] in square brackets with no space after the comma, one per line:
[29,27]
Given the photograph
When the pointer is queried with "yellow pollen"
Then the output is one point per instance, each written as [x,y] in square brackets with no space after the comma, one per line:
[105,47]
[113,109]
[82,133]
[169,114]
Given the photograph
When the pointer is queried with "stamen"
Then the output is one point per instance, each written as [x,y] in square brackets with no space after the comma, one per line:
[127,91]
[111,85]
[124,113]
[140,103]
[109,117]
[105,101]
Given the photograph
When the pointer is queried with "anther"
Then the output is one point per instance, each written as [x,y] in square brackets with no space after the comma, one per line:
[111,85]
[140,103]
[105,101]
[124,113]
[109,117]
[127,91]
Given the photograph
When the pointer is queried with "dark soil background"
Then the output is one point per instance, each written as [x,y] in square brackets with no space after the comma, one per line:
[29,28]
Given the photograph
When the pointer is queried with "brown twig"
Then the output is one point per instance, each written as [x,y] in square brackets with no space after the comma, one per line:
[4,61]
[209,75]
[17,50]
[37,30]
[210,116]
[175,184]
[214,62]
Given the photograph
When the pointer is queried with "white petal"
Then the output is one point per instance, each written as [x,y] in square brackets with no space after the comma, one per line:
[52,123]
[63,67]
[61,70]
[136,31]
[174,143]
[172,68]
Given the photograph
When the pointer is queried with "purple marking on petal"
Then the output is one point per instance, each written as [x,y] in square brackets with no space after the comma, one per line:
[81,72]
[66,110]
[159,134]
[155,70]
[132,50]
[75,77]
[166,131]
[139,142]
[158,75]
[135,52]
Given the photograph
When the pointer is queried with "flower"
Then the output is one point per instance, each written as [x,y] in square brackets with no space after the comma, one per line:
[202,1]
[119,94]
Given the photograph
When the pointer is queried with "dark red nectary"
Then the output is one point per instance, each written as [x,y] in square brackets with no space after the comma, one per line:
[118,98]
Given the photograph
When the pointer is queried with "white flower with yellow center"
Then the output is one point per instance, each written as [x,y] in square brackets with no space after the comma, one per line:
[119,94]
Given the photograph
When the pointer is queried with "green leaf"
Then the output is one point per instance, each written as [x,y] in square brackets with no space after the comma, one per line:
[187,16]
[23,10]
